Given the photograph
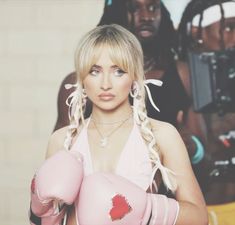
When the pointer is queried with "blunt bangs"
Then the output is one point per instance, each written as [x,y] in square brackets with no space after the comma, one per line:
[124,50]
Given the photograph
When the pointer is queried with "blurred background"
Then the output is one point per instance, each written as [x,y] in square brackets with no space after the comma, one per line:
[37,43]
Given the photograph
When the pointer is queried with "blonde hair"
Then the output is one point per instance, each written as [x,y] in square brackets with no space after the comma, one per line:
[126,52]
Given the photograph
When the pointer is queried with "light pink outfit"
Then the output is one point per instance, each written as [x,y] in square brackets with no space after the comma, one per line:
[134,163]
[105,198]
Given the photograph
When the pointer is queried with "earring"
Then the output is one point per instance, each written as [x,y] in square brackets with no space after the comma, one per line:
[135,93]
[84,96]
[200,41]
[135,90]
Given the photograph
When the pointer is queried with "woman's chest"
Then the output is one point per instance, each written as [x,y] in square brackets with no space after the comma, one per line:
[105,158]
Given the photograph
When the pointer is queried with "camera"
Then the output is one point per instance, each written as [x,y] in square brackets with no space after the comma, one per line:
[213,81]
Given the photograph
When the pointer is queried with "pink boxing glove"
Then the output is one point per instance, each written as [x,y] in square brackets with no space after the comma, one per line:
[106,199]
[164,210]
[56,183]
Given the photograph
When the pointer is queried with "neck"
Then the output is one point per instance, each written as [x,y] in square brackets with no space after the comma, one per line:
[148,49]
[110,116]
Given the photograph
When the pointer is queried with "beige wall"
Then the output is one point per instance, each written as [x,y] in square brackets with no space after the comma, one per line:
[37,42]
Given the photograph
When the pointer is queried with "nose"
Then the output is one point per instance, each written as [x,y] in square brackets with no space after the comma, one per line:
[145,14]
[106,83]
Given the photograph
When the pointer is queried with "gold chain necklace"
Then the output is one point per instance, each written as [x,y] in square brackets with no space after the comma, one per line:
[104,138]
[110,123]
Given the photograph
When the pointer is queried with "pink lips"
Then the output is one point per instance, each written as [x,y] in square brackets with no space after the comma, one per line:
[106,96]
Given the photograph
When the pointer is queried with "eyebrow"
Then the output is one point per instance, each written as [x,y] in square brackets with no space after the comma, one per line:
[96,66]
[100,67]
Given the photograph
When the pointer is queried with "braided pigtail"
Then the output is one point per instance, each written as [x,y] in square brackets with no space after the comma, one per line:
[140,117]
[76,102]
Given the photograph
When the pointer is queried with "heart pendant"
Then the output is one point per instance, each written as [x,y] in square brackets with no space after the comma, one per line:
[103,142]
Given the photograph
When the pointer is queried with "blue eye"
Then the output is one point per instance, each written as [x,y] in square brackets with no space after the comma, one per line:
[94,72]
[118,72]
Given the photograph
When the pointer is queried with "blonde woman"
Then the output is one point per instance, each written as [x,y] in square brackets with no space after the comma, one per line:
[107,169]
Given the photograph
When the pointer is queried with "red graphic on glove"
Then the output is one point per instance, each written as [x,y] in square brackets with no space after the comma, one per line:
[120,207]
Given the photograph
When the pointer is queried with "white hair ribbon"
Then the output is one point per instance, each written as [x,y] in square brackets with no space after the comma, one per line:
[74,110]
[72,99]
[213,14]
[68,86]
[154,82]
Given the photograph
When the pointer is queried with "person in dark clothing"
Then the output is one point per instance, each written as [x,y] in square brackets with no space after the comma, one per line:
[208,27]
[175,98]
[150,21]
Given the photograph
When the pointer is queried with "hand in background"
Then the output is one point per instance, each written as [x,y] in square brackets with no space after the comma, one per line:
[186,134]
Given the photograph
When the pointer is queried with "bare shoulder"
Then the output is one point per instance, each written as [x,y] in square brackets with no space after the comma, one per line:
[160,127]
[167,137]
[56,141]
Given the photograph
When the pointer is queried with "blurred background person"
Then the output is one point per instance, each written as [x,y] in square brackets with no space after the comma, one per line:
[206,43]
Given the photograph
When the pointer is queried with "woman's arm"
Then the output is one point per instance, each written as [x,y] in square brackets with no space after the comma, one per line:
[56,183]
[56,141]
[175,157]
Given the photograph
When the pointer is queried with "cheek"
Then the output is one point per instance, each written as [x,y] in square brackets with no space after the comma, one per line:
[128,87]
[89,86]
[157,21]
[194,31]
[125,87]
[229,39]
[157,17]
[132,20]
[211,39]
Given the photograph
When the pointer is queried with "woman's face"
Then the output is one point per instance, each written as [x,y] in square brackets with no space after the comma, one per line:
[107,85]
[146,18]
[211,37]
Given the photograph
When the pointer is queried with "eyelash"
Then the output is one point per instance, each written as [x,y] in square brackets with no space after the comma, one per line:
[92,71]
[121,72]
[116,72]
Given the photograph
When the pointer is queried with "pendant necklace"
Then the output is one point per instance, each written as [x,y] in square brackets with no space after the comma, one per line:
[104,138]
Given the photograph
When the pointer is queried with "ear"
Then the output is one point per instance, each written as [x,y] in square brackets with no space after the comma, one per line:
[194,32]
[134,84]
[179,117]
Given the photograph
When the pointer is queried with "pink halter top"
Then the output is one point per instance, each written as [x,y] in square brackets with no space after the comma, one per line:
[134,163]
